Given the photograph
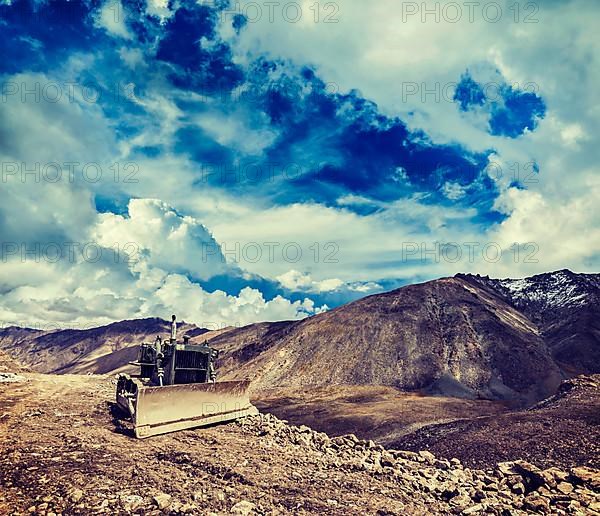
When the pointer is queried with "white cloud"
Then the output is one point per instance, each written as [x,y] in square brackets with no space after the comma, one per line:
[295,280]
[572,134]
[111,17]
[217,309]
[159,8]
[568,233]
[106,285]
[236,132]
[453,191]
[133,57]
[156,234]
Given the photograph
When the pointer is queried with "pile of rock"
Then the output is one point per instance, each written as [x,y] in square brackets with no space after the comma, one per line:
[517,486]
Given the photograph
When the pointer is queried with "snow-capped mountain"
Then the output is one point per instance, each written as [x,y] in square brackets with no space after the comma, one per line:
[548,291]
[566,307]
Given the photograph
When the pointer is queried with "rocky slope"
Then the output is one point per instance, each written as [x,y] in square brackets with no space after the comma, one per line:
[566,308]
[62,451]
[447,336]
[562,431]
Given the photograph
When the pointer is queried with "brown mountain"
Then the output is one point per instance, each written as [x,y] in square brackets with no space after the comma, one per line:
[447,336]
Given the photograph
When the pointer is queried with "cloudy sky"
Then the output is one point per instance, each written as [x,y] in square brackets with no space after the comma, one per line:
[235,162]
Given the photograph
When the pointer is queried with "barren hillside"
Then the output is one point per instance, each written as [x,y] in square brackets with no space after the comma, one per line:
[566,308]
[100,350]
[561,431]
[446,336]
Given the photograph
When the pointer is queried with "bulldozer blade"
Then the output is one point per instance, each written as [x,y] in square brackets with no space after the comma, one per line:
[159,410]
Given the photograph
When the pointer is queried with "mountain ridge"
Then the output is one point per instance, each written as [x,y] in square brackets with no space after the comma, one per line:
[467,336]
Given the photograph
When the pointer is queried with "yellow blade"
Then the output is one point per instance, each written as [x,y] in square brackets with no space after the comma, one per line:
[158,410]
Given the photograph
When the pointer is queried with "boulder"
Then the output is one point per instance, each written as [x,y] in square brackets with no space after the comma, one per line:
[243,508]
[564,488]
[162,500]
[588,476]
[131,503]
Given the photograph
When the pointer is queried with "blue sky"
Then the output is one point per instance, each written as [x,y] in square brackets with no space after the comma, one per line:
[235,162]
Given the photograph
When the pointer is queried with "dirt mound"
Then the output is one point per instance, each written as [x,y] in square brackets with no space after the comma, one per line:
[64,451]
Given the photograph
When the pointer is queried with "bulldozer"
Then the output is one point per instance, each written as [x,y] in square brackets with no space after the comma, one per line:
[176,388]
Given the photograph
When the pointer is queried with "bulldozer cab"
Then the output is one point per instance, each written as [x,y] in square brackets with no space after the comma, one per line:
[177,363]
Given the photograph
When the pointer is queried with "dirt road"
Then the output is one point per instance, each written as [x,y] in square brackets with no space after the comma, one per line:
[63,451]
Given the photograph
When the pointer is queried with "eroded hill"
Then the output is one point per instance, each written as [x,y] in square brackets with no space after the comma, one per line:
[445,337]
[566,308]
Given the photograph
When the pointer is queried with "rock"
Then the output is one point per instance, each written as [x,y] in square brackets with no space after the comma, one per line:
[11,377]
[506,468]
[518,488]
[544,492]
[549,478]
[428,456]
[479,495]
[557,474]
[426,482]
[537,503]
[375,458]
[531,474]
[162,500]
[594,506]
[587,476]
[460,501]
[564,488]
[243,508]
[474,509]
[75,494]
[130,502]
[387,459]
[407,455]
[442,464]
